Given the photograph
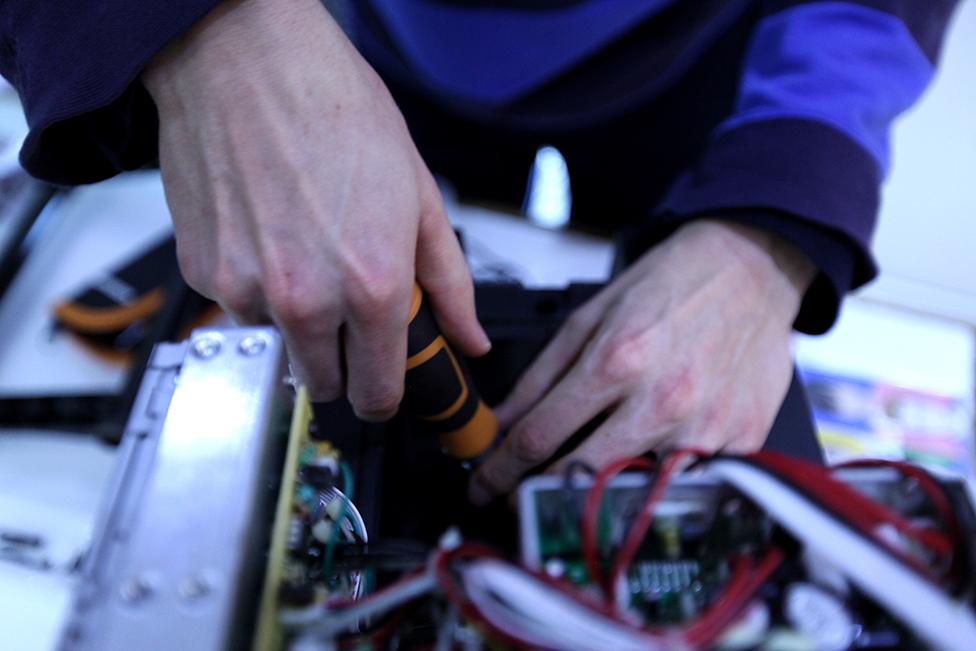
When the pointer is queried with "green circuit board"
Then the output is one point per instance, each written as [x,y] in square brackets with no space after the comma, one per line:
[683,561]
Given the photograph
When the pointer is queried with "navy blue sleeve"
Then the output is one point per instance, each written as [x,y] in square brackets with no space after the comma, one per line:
[807,146]
[76,66]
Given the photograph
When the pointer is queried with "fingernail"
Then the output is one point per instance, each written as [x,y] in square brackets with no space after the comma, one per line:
[478,494]
[485,343]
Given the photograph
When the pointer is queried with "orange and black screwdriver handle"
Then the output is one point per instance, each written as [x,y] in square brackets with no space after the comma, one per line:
[439,390]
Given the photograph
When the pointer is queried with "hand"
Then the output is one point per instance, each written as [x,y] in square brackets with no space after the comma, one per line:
[689,347]
[298,196]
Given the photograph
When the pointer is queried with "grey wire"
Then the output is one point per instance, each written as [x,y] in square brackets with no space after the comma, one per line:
[331,623]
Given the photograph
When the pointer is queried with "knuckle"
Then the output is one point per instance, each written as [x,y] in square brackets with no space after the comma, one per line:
[233,290]
[378,403]
[710,439]
[374,294]
[293,310]
[289,301]
[716,416]
[750,428]
[491,475]
[325,392]
[322,389]
[623,359]
[193,271]
[674,396]
[528,446]
[326,384]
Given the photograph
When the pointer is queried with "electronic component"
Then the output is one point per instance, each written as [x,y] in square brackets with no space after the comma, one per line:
[704,520]
[313,517]
[232,526]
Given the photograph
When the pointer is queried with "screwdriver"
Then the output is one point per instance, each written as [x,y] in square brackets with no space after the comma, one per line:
[439,390]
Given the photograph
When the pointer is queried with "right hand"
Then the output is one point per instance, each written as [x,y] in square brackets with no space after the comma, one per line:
[298,196]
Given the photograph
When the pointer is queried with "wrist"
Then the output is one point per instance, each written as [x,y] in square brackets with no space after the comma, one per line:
[777,270]
[230,51]
[189,53]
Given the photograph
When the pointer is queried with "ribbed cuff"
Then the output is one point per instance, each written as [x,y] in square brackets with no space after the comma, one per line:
[77,69]
[800,168]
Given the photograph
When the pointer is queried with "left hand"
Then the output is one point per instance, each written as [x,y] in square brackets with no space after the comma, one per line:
[689,347]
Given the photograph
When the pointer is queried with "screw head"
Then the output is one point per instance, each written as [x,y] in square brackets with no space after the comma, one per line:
[252,345]
[194,588]
[206,346]
[136,590]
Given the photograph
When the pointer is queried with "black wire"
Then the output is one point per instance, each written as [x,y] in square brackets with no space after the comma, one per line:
[571,469]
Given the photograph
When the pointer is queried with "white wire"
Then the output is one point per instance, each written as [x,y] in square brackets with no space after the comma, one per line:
[352,513]
[333,622]
[936,618]
[528,609]
[356,525]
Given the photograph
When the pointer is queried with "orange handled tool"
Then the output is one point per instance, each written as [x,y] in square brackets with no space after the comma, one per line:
[439,390]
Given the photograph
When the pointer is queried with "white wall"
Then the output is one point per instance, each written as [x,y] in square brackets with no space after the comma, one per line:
[926,242]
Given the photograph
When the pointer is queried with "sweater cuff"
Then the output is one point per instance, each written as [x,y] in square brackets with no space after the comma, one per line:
[97,119]
[800,179]
[794,167]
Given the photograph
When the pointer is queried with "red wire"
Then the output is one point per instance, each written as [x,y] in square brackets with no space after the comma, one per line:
[867,508]
[375,637]
[741,588]
[932,490]
[455,594]
[348,602]
[638,531]
[849,504]
[589,525]
[744,582]
[746,578]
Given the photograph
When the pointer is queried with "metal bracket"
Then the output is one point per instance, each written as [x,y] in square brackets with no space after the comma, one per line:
[190,503]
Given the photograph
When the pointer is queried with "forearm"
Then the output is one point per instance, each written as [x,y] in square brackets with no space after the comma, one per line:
[224,52]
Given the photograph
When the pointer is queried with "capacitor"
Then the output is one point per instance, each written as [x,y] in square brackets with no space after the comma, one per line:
[820,615]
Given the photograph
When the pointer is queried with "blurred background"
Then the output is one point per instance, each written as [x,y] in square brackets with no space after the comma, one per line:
[895,378]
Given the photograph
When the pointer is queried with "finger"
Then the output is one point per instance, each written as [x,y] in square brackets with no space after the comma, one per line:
[375,342]
[753,413]
[552,363]
[572,403]
[315,359]
[624,434]
[245,315]
[445,277]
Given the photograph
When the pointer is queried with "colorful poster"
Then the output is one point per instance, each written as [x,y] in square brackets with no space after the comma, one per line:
[860,417]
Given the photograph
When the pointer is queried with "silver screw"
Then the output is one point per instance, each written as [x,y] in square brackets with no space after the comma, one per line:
[194,588]
[206,346]
[252,345]
[136,590]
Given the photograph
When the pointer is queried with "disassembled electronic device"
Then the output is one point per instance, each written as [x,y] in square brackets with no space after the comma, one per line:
[241,520]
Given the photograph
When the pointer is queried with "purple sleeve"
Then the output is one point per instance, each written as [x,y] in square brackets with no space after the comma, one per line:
[76,66]
[807,146]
